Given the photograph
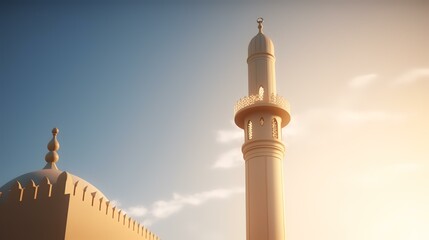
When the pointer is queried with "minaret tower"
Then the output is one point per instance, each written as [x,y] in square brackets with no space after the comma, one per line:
[262,115]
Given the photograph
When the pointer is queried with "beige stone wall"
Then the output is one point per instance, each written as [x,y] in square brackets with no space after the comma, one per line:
[93,218]
[64,210]
[33,212]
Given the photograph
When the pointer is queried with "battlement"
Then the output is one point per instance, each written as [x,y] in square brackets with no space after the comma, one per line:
[45,192]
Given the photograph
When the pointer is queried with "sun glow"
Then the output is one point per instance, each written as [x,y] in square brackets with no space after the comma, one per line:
[405,223]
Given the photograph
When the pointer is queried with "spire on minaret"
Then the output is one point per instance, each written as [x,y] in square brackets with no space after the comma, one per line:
[260,20]
[52,156]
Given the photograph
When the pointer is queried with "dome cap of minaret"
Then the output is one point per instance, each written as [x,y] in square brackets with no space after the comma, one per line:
[260,44]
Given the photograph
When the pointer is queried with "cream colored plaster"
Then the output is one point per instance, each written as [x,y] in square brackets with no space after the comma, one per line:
[264,151]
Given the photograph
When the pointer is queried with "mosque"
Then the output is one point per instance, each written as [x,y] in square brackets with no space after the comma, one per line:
[51,204]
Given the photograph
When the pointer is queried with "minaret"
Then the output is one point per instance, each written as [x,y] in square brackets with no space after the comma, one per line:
[262,115]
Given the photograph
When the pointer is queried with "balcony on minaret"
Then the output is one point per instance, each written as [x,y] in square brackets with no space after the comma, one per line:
[274,104]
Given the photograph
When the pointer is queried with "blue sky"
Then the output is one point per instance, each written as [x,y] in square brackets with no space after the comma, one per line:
[143,94]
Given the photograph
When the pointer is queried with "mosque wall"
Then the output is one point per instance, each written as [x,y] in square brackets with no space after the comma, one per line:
[64,210]
[33,212]
[91,217]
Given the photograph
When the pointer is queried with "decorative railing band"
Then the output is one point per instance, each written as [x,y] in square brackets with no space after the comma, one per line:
[254,99]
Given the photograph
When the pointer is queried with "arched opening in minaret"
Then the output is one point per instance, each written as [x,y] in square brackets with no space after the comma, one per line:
[275,128]
[261,93]
[261,121]
[249,130]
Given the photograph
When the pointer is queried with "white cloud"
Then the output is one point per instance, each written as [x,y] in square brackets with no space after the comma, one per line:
[359,117]
[116,203]
[412,76]
[323,119]
[227,136]
[381,175]
[165,208]
[137,211]
[230,159]
[402,168]
[363,80]
[295,126]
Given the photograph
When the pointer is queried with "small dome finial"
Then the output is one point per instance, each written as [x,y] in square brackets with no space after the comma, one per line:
[260,20]
[53,146]
[55,131]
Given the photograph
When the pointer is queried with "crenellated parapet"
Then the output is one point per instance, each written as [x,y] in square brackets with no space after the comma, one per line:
[41,191]
[76,192]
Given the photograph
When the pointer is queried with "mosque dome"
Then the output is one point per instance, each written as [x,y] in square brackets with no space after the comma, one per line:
[50,171]
[260,43]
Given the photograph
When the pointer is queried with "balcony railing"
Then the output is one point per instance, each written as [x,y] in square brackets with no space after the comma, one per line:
[255,99]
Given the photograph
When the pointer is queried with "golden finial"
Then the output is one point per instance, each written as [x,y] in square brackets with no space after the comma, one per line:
[260,20]
[53,146]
